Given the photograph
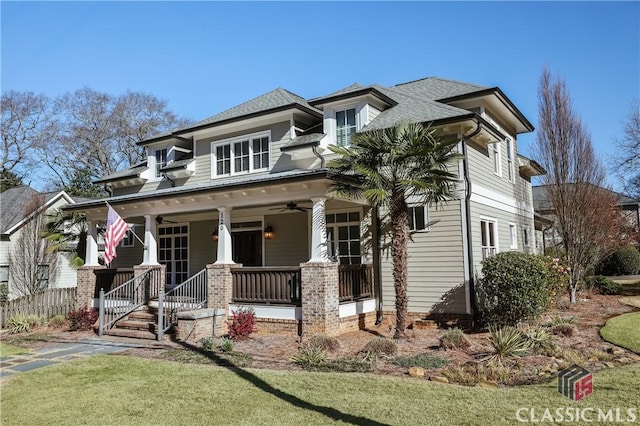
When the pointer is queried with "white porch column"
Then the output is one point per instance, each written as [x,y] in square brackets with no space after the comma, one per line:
[150,243]
[318,231]
[91,256]
[225,253]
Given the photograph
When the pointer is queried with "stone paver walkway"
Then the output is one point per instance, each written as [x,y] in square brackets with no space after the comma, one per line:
[60,353]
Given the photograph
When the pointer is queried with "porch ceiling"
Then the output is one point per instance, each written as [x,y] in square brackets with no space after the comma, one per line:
[195,200]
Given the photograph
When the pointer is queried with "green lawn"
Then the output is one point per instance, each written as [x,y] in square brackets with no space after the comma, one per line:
[121,390]
[623,330]
[9,350]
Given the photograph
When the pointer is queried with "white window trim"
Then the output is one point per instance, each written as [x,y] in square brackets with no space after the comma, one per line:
[526,242]
[497,233]
[181,234]
[511,172]
[513,234]
[336,110]
[336,225]
[151,161]
[496,150]
[231,142]
[427,227]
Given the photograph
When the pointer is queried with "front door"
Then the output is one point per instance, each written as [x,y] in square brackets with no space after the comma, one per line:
[173,252]
[247,247]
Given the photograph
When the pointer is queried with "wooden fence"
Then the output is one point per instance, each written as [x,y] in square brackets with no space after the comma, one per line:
[57,301]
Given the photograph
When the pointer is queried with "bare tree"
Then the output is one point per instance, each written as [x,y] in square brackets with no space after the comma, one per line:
[98,132]
[585,212]
[627,158]
[26,125]
[31,262]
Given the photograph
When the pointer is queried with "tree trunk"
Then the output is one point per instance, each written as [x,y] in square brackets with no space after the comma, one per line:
[572,293]
[399,237]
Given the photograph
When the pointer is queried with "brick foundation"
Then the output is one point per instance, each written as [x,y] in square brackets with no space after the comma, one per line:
[266,326]
[440,320]
[86,279]
[357,322]
[320,298]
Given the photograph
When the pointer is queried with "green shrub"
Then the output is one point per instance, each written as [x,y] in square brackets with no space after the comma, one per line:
[423,360]
[625,261]
[557,320]
[209,344]
[323,341]
[454,338]
[538,339]
[309,357]
[381,346]
[226,344]
[515,287]
[58,321]
[507,342]
[22,323]
[604,285]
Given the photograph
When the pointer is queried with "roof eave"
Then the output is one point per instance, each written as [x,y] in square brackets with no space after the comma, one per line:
[366,91]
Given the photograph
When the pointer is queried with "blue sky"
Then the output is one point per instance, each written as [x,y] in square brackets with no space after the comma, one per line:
[204,57]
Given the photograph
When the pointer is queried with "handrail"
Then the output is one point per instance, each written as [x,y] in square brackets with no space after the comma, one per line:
[126,298]
[267,285]
[191,294]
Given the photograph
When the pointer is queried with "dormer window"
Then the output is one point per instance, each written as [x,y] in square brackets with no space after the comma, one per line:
[345,126]
[244,154]
[161,160]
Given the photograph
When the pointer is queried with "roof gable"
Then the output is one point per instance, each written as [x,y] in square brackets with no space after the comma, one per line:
[16,201]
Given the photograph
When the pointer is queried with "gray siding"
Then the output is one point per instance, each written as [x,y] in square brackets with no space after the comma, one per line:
[129,256]
[290,246]
[202,250]
[436,268]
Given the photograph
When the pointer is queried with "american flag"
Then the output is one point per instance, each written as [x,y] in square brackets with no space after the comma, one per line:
[116,230]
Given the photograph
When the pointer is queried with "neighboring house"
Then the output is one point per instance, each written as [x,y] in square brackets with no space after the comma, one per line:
[22,213]
[550,236]
[250,185]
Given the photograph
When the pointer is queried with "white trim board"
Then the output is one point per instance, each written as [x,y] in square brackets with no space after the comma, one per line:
[499,201]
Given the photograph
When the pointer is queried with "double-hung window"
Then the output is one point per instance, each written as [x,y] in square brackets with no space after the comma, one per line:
[345,126]
[161,160]
[42,276]
[343,237]
[510,160]
[418,218]
[245,154]
[514,235]
[495,154]
[489,237]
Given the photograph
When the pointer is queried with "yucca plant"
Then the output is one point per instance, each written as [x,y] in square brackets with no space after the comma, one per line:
[309,357]
[507,342]
[226,344]
[538,338]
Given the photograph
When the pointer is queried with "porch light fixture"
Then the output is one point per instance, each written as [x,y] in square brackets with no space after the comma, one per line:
[214,236]
[268,232]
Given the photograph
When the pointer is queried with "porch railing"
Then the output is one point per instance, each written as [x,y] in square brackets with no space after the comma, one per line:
[268,285]
[355,282]
[190,295]
[128,297]
[108,279]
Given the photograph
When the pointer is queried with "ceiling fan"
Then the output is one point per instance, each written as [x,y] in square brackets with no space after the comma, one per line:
[292,206]
[160,220]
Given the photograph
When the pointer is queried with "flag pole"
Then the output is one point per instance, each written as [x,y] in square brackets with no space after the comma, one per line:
[132,233]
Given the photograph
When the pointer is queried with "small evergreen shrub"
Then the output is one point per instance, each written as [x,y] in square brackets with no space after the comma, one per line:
[209,344]
[226,344]
[308,357]
[625,261]
[604,285]
[454,338]
[82,319]
[323,341]
[538,339]
[515,287]
[58,321]
[507,342]
[381,346]
[423,360]
[242,324]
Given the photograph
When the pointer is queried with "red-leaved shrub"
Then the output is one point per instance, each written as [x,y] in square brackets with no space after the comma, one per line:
[82,319]
[242,324]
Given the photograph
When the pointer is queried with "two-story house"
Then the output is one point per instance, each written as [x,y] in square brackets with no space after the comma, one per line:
[249,186]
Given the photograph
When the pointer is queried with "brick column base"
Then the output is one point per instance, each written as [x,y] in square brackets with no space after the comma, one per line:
[86,279]
[320,298]
[220,294]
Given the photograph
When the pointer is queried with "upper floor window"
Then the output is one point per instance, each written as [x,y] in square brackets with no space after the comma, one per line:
[161,160]
[514,235]
[240,155]
[418,218]
[510,160]
[345,126]
[494,149]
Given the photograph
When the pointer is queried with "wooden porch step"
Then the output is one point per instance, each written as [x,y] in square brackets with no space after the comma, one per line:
[135,334]
[143,316]
[136,325]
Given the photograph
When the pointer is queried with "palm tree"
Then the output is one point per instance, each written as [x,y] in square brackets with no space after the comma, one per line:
[390,166]
[66,230]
